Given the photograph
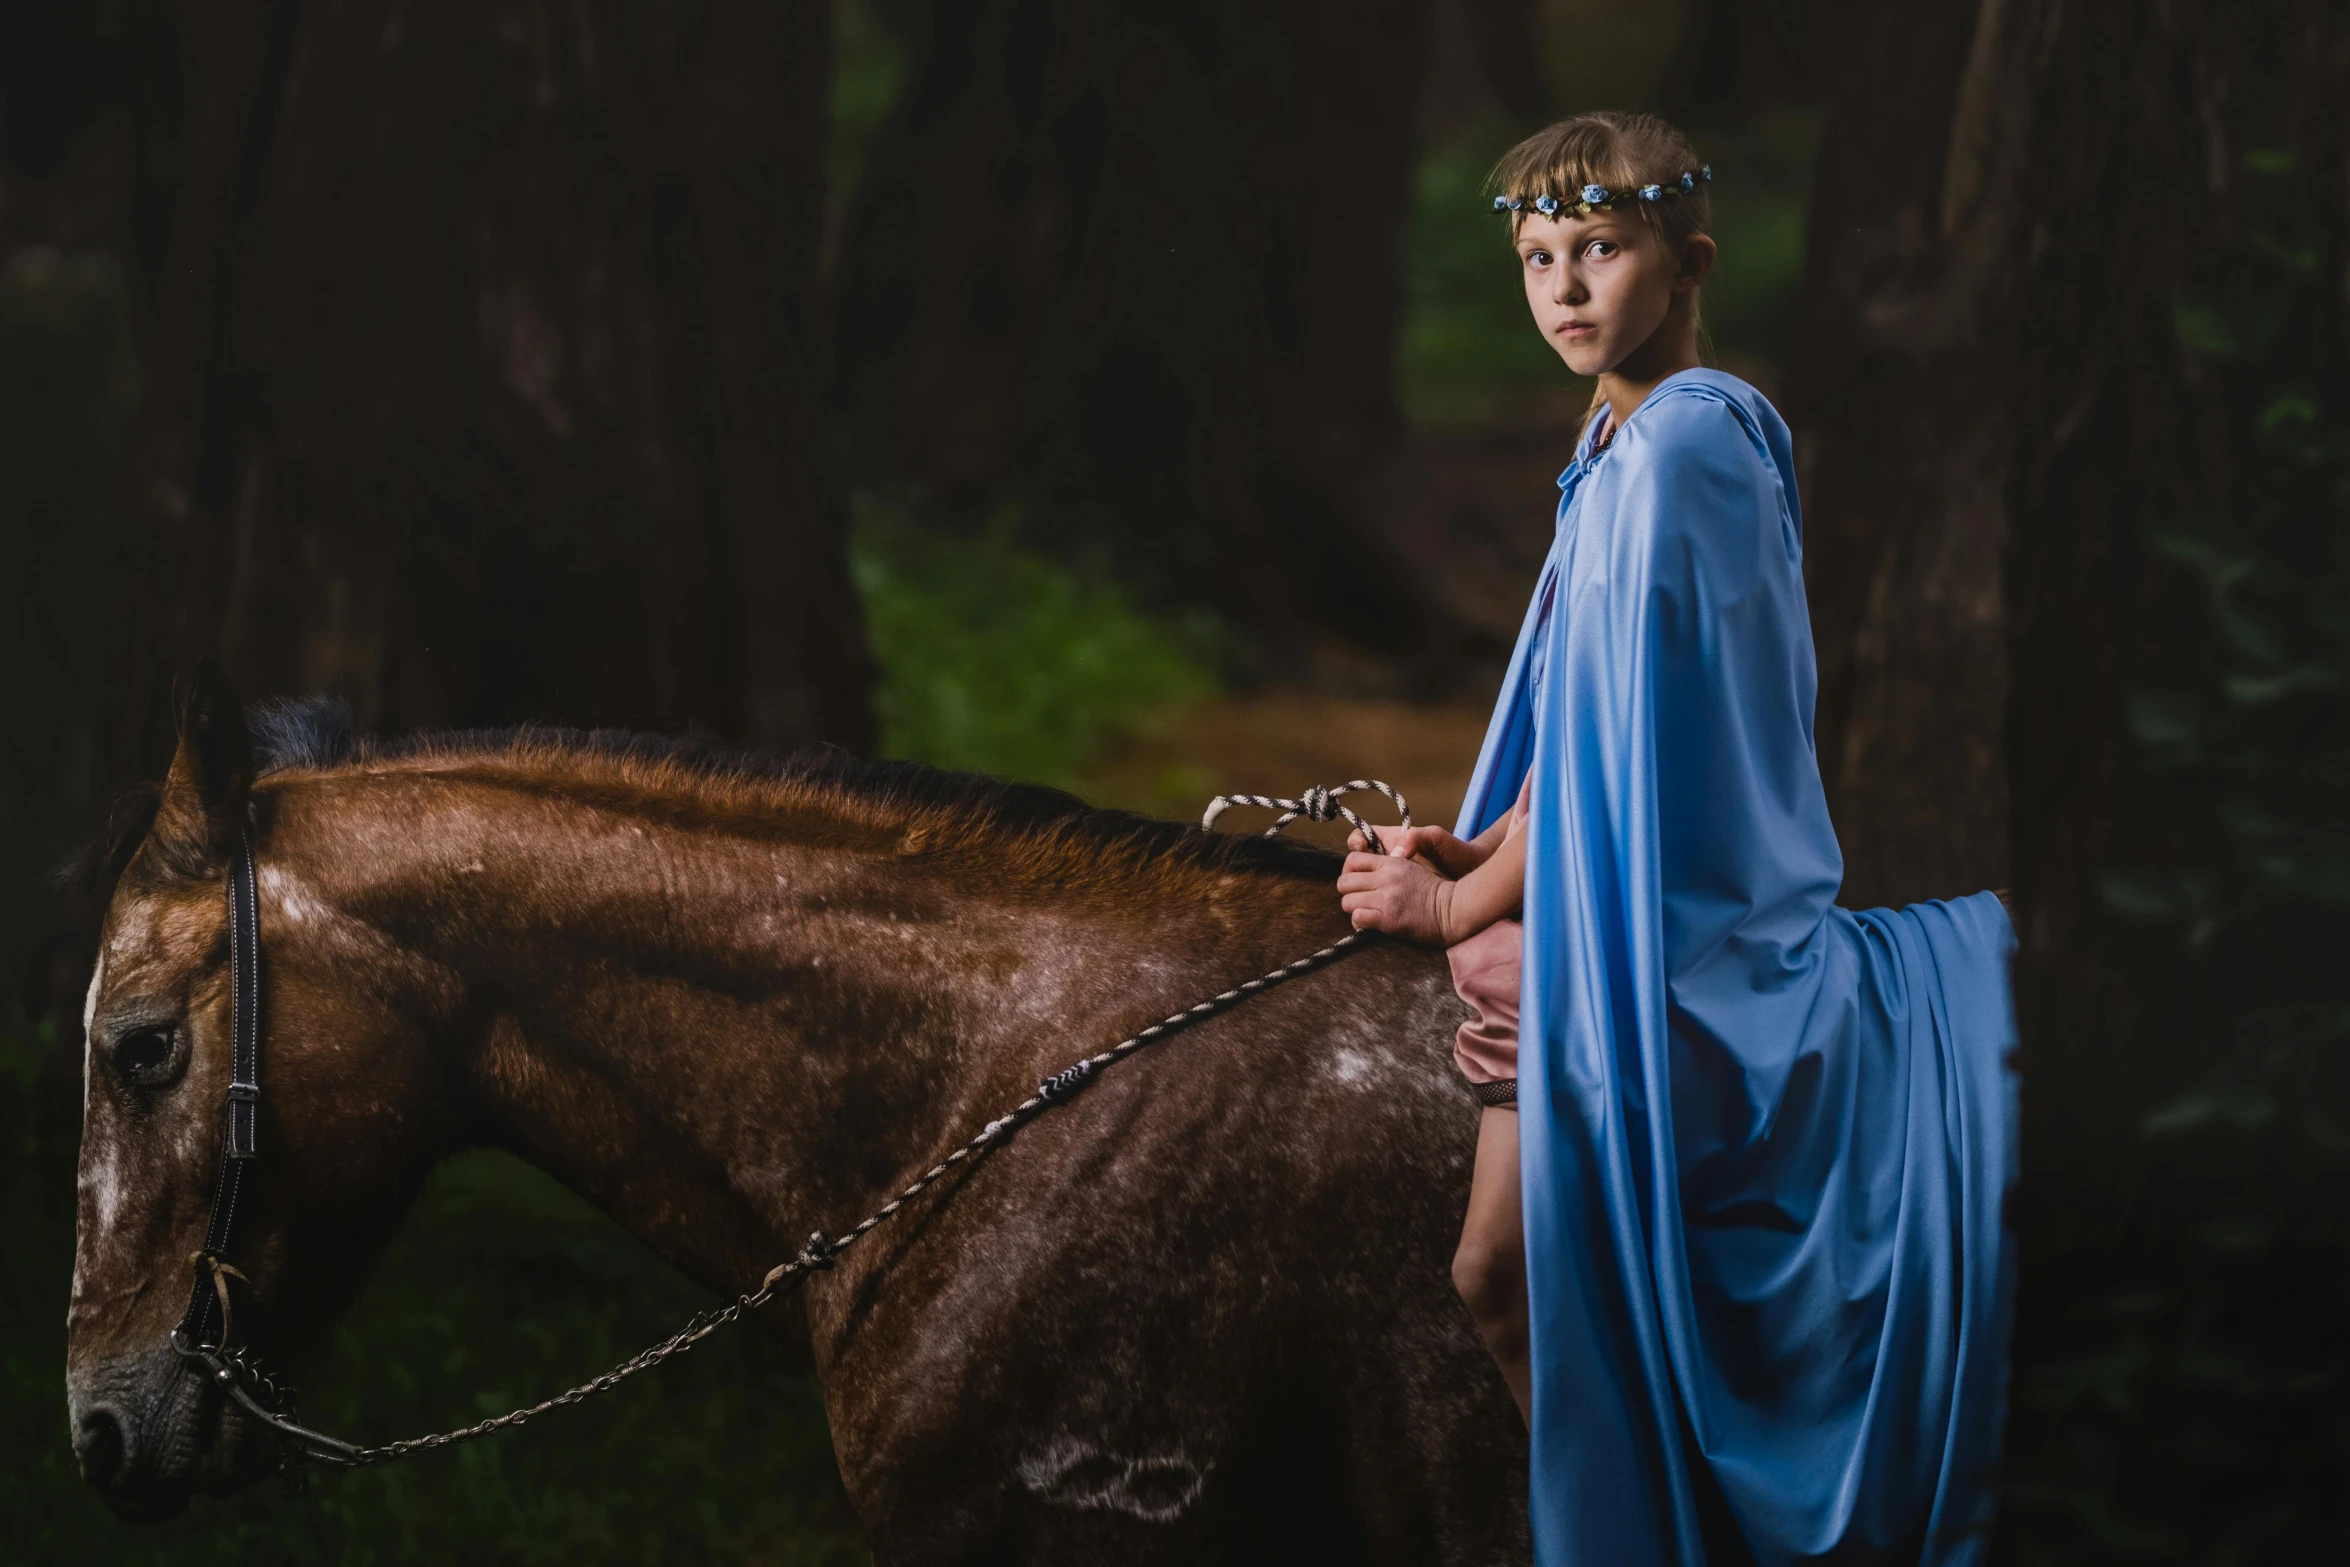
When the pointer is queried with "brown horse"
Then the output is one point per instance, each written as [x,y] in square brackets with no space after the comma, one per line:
[1200,1313]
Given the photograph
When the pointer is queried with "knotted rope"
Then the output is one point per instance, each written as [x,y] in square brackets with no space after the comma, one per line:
[1318,804]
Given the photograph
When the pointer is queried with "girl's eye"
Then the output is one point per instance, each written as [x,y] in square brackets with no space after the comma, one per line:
[1538,258]
[1600,248]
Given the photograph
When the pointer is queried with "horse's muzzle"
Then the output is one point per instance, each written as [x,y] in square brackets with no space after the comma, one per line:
[148,1433]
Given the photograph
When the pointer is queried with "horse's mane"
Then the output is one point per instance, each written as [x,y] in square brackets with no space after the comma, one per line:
[1029,831]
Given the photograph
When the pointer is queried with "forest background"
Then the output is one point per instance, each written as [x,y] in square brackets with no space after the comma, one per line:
[1137,398]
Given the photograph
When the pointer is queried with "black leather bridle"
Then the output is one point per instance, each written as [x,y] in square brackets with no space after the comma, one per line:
[205,1325]
[202,1336]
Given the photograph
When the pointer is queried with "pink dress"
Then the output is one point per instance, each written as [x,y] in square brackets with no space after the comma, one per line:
[1485,973]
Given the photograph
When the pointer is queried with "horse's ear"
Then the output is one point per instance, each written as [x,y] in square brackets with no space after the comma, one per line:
[211,776]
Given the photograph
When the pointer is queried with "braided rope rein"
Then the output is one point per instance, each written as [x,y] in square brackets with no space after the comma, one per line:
[1317,804]
[240,1376]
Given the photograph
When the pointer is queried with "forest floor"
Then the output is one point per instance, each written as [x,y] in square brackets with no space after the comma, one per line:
[1281,741]
[1476,534]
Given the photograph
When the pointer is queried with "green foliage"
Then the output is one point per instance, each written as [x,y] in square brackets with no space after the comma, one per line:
[868,73]
[1762,202]
[1466,342]
[500,1289]
[999,660]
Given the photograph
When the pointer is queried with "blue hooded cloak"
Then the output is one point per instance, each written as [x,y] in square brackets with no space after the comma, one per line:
[1765,1140]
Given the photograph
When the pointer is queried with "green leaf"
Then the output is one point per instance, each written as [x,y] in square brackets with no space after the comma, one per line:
[2139,897]
[2252,819]
[2250,635]
[2258,690]
[2290,409]
[2161,717]
[2223,567]
[2294,258]
[2240,1108]
[2236,1235]
[2204,330]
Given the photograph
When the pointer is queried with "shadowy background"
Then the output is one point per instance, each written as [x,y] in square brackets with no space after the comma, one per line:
[1139,398]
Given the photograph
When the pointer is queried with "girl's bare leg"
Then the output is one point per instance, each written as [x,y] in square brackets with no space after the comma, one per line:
[1490,1268]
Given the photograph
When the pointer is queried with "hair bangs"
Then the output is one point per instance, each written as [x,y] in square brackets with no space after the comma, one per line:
[1562,160]
[1621,152]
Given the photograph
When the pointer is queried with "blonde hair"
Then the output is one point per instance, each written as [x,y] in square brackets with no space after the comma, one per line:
[1622,152]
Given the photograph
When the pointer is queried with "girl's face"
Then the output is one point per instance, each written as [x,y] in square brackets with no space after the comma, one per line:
[1601,286]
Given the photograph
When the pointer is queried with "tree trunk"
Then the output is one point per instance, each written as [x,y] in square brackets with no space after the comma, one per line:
[2077,294]
[1137,272]
[82,90]
[480,383]
[2178,489]
[1898,392]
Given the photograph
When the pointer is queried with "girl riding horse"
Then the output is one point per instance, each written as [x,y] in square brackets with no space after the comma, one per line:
[1735,1235]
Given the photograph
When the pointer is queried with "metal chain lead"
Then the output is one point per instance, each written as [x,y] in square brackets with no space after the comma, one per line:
[234,1371]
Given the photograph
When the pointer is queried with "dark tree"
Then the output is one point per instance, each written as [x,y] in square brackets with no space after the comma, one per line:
[2072,391]
[479,387]
[1737,57]
[1136,269]
[83,90]
[2179,600]
[1899,389]
[1492,50]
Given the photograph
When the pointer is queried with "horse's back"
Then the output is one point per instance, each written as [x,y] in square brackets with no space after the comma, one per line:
[1204,1312]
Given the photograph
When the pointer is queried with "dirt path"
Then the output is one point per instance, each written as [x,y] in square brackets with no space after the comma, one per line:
[1279,742]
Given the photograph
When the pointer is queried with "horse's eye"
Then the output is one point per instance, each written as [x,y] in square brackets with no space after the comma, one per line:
[146,1057]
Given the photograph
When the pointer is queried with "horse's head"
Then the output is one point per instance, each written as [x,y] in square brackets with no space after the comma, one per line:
[351,1109]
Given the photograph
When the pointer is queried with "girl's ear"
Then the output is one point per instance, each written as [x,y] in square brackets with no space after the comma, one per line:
[1697,263]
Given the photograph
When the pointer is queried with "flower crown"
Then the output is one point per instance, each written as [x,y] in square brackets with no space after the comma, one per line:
[1598,198]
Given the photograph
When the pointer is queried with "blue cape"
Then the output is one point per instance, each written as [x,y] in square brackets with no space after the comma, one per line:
[1765,1140]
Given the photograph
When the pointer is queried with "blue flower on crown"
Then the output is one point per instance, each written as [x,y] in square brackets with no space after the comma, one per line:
[1598,197]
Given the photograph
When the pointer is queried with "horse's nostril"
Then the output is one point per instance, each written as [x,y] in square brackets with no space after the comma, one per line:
[97,1442]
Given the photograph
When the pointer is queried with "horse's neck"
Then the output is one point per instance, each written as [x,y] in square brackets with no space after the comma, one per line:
[730,1041]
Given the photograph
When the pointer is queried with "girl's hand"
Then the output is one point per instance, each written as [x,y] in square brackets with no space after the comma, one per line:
[1454,857]
[1401,896]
